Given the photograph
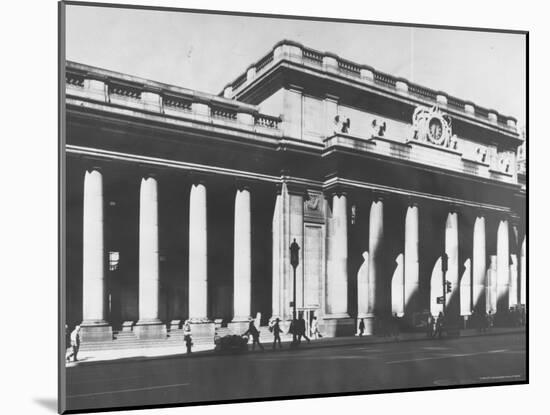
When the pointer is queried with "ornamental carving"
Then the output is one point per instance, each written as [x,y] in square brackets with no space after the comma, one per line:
[341,125]
[504,162]
[432,126]
[313,202]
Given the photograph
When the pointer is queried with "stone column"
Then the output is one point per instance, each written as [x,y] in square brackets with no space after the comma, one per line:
[503,266]
[337,320]
[479,266]
[277,270]
[149,324]
[198,262]
[94,309]
[376,237]
[363,288]
[411,258]
[242,263]
[523,273]
[451,249]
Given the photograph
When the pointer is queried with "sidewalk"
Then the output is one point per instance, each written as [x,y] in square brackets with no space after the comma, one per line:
[96,356]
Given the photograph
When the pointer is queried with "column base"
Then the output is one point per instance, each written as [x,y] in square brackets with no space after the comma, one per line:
[238,326]
[338,326]
[95,332]
[150,329]
[202,329]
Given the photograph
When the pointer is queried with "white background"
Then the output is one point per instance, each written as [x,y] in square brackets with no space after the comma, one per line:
[28,204]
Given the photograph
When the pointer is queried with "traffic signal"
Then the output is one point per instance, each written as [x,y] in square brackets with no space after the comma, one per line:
[448,287]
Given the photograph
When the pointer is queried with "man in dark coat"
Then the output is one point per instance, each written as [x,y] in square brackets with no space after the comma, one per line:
[253,331]
[276,329]
[301,330]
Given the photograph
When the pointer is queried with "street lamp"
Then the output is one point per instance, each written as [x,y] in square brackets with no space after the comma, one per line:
[294,261]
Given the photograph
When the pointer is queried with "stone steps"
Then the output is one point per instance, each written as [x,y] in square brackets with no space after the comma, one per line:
[128,340]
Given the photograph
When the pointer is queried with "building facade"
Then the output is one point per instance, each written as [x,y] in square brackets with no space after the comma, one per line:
[182,205]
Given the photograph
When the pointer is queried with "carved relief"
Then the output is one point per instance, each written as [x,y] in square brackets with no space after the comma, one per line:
[504,162]
[432,126]
[314,206]
[378,128]
[481,154]
[341,125]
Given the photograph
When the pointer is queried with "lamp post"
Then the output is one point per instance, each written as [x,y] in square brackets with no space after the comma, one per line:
[294,261]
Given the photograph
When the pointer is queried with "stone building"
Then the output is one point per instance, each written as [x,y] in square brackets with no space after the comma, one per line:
[182,205]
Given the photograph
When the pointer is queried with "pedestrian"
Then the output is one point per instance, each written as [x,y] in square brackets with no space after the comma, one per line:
[75,344]
[187,336]
[490,320]
[439,325]
[301,330]
[361,328]
[430,326]
[253,331]
[276,330]
[315,333]
[395,321]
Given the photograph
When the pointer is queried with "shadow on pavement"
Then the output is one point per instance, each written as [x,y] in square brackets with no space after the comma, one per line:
[48,403]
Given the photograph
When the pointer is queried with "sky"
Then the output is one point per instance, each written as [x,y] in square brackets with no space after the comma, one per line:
[206,51]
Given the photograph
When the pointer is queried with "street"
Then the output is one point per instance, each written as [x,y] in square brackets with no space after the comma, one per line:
[315,370]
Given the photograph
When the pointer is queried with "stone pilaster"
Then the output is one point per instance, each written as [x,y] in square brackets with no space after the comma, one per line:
[149,324]
[94,311]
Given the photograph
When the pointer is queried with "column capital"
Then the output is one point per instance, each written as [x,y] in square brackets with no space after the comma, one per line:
[337,190]
[149,175]
[90,167]
[243,184]
[378,196]
[196,178]
[453,208]
[413,201]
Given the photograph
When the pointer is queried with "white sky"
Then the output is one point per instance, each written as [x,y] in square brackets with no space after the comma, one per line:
[205,52]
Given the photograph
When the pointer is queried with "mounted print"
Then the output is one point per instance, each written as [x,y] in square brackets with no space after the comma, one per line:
[258,207]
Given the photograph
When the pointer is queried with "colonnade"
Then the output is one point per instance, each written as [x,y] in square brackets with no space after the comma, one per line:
[149,325]
[494,282]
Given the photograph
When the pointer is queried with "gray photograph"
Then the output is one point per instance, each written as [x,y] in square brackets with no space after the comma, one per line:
[258,207]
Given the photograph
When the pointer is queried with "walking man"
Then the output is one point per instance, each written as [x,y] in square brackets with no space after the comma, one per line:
[439,325]
[75,344]
[187,336]
[276,329]
[301,330]
[361,327]
[253,331]
[430,326]
[315,329]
